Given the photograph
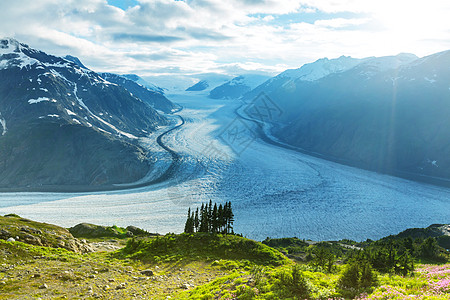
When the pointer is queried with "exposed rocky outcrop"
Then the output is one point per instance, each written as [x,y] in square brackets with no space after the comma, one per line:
[15,228]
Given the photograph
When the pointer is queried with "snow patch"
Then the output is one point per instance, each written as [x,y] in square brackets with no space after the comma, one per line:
[57,74]
[40,99]
[59,64]
[80,101]
[76,121]
[128,135]
[3,123]
[53,116]
[70,113]
[321,68]
[104,131]
[44,89]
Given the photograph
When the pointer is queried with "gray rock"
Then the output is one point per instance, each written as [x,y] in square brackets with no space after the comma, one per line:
[33,240]
[44,286]
[147,272]
[11,240]
[121,286]
[4,234]
[186,286]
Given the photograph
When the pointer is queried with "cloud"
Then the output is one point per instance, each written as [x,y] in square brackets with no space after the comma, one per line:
[163,36]
[341,22]
[145,38]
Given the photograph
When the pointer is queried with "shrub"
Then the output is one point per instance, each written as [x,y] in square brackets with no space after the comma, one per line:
[357,277]
[292,283]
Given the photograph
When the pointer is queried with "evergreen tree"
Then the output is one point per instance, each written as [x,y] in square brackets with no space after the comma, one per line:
[220,221]
[196,221]
[350,277]
[368,277]
[210,217]
[229,217]
[429,248]
[215,219]
[189,226]
[204,225]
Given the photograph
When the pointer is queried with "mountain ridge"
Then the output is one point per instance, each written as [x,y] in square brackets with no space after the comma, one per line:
[48,102]
[385,114]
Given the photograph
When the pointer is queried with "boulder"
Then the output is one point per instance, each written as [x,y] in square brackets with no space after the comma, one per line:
[147,272]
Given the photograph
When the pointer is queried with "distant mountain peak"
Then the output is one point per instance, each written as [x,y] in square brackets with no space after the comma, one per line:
[75,60]
[373,65]
[199,86]
[139,80]
[404,55]
[10,45]
[321,68]
[237,86]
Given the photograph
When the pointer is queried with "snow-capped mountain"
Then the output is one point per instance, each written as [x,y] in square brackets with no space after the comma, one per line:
[63,124]
[237,86]
[308,72]
[199,86]
[154,99]
[145,83]
[321,68]
[204,83]
[75,60]
[375,65]
[388,114]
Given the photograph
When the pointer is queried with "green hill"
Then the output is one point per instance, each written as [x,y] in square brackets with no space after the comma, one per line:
[211,266]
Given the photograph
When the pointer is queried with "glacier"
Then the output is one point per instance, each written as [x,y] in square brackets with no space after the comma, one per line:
[275,192]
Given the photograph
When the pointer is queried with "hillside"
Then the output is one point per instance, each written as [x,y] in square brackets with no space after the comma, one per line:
[154,98]
[387,114]
[64,125]
[237,87]
[39,261]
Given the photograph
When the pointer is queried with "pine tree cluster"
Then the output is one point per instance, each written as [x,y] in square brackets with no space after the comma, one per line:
[209,218]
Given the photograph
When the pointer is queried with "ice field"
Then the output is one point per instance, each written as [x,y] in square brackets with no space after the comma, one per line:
[275,192]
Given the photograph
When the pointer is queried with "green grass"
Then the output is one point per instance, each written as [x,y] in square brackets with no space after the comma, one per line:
[48,233]
[215,266]
[203,246]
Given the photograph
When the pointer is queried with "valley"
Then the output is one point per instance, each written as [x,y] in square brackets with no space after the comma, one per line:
[275,192]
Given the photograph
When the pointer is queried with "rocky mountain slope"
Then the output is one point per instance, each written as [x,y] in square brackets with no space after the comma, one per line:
[237,87]
[144,83]
[387,114]
[154,99]
[199,86]
[308,72]
[63,124]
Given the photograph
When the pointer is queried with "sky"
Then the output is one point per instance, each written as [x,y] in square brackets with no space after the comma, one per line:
[232,37]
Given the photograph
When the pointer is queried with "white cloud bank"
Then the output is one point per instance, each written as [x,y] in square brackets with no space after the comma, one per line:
[194,36]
